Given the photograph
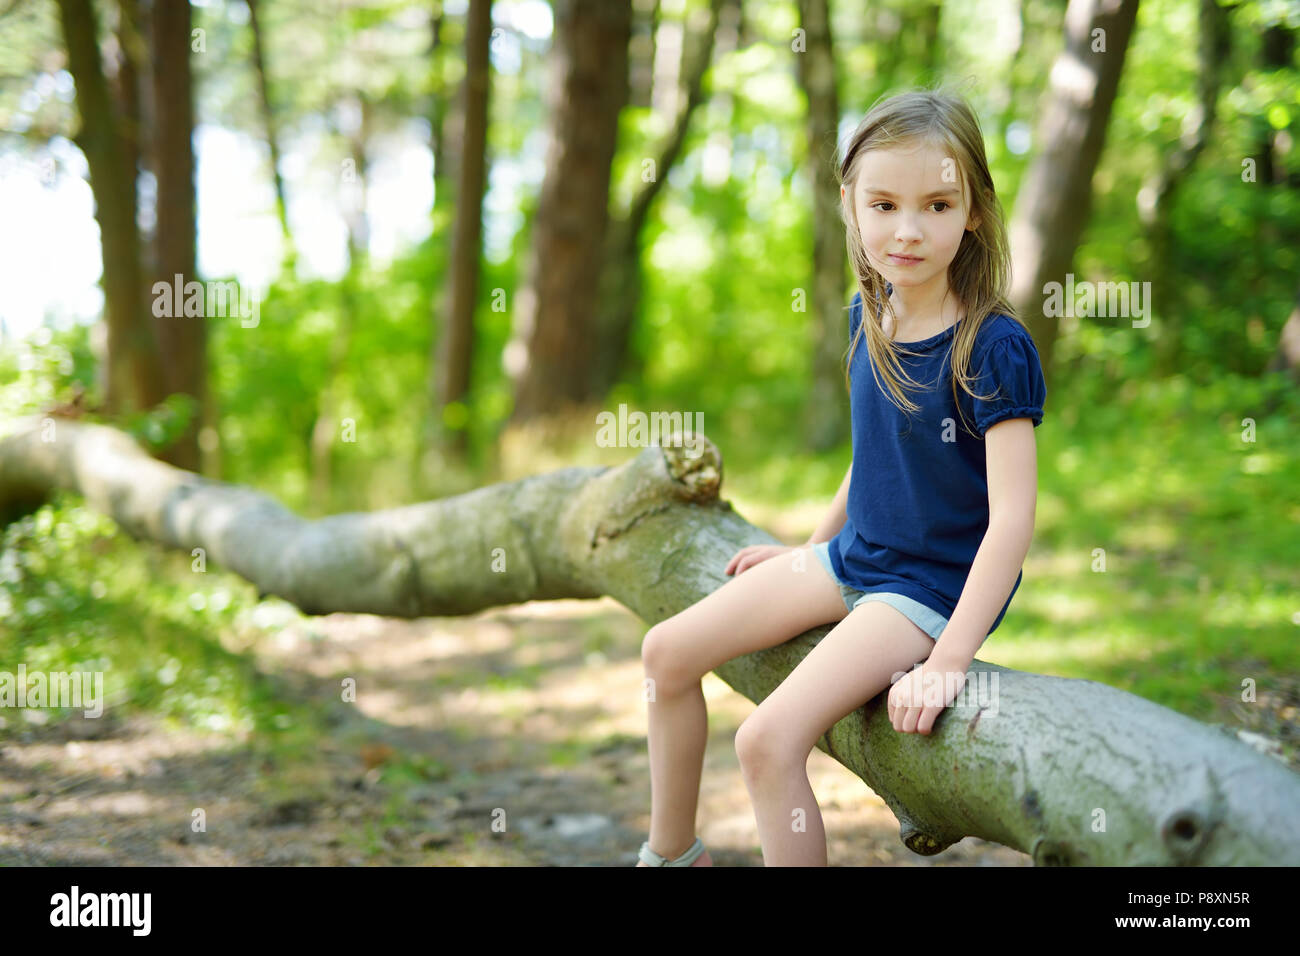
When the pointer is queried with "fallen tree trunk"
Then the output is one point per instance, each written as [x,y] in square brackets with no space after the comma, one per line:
[1071,772]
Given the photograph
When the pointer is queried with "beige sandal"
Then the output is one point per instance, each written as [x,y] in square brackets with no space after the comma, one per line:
[650,858]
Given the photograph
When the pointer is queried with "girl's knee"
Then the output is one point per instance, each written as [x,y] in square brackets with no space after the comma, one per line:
[761,747]
[656,648]
[661,656]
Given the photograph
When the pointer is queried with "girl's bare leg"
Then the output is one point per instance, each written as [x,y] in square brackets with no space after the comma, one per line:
[678,730]
[851,665]
[762,606]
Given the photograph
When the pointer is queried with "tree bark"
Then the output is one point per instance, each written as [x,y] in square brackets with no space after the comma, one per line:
[620,279]
[357,137]
[906,42]
[438,113]
[556,309]
[1275,53]
[827,410]
[133,376]
[1055,198]
[1011,85]
[132,97]
[641,52]
[929,16]
[182,340]
[454,346]
[269,120]
[1071,772]
[325,430]
[1157,195]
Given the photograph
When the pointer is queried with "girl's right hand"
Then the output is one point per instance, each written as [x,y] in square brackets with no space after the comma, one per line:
[746,558]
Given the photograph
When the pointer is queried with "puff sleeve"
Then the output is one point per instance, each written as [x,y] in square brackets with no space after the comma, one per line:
[1011,370]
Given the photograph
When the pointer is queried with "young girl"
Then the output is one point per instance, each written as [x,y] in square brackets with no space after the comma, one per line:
[921,551]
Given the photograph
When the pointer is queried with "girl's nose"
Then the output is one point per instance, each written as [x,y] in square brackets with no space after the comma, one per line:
[907,228]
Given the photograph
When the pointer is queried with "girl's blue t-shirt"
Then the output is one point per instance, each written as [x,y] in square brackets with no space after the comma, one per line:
[918,504]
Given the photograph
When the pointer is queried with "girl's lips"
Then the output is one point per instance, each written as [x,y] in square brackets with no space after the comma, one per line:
[903,260]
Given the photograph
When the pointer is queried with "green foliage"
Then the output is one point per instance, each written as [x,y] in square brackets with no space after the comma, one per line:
[160,426]
[1232,252]
[40,371]
[366,345]
[78,594]
[1167,514]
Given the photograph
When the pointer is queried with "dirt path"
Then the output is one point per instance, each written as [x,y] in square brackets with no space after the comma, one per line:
[530,714]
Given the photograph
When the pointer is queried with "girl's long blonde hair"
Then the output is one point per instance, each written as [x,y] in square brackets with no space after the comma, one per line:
[979,273]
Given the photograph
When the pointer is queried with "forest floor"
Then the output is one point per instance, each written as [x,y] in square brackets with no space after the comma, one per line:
[529,715]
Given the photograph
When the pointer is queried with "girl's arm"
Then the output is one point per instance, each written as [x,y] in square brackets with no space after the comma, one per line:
[1012,463]
[837,516]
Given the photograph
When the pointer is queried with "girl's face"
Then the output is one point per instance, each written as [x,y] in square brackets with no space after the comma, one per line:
[911,212]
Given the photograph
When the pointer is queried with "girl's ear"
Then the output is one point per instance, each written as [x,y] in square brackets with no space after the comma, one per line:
[976,220]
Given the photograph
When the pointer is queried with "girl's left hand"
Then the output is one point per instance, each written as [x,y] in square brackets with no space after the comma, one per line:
[916,700]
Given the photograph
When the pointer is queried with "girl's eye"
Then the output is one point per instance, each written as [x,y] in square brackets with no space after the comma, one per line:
[937,202]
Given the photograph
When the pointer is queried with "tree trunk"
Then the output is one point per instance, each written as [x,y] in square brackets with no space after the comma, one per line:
[887,36]
[827,413]
[641,52]
[1053,204]
[1071,772]
[325,431]
[137,126]
[454,348]
[1156,198]
[665,89]
[906,49]
[556,309]
[132,96]
[426,461]
[438,114]
[1275,49]
[1012,86]
[620,281]
[133,374]
[290,257]
[182,339]
[929,17]
[355,214]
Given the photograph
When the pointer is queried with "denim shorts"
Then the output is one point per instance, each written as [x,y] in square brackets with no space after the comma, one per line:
[927,619]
